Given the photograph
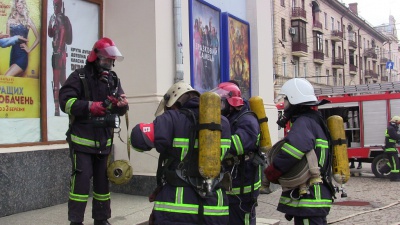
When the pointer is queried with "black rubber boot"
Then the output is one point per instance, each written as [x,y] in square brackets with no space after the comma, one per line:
[101,222]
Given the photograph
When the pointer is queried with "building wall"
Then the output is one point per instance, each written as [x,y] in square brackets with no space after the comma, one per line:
[365,69]
[38,176]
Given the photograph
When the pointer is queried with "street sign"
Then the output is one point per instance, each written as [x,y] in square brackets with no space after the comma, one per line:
[389,65]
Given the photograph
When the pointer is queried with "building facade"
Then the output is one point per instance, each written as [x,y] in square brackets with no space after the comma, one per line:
[327,43]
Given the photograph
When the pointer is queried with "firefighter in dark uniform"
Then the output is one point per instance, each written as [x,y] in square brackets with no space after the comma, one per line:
[180,197]
[308,132]
[391,138]
[244,159]
[93,98]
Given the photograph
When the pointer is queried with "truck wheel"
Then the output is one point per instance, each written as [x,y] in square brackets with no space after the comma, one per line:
[378,162]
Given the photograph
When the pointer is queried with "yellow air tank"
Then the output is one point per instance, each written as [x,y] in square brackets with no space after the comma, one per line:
[340,164]
[257,106]
[209,138]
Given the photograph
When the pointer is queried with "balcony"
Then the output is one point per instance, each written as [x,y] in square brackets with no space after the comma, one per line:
[352,44]
[353,69]
[299,49]
[337,36]
[384,78]
[299,14]
[317,26]
[318,57]
[337,63]
[370,74]
[370,53]
[384,60]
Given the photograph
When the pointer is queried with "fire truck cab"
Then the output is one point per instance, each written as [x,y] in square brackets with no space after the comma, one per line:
[366,111]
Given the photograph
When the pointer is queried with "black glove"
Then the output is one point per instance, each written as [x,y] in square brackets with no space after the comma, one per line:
[282,120]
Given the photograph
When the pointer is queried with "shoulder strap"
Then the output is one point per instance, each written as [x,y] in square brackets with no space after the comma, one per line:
[241,115]
[82,76]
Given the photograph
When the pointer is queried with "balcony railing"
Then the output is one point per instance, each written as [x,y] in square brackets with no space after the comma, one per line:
[297,46]
[384,60]
[317,24]
[299,12]
[384,78]
[353,68]
[319,55]
[337,35]
[370,53]
[338,61]
[352,44]
[371,73]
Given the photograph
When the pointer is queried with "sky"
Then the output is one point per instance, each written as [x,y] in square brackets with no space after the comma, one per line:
[376,12]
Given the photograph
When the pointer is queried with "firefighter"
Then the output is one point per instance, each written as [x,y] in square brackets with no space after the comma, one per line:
[391,138]
[180,197]
[56,30]
[244,160]
[94,99]
[308,132]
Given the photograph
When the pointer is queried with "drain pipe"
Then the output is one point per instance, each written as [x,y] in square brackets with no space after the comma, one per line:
[178,41]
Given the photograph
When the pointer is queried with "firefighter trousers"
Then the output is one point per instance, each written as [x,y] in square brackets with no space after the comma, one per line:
[88,166]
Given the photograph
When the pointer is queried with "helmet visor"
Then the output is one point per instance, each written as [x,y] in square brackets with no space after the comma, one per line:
[221,92]
[280,98]
[110,52]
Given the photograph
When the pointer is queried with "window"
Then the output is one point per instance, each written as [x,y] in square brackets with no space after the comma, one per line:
[282,2]
[326,48]
[327,77]
[345,56]
[283,29]
[284,66]
[305,70]
[301,33]
[317,74]
[295,68]
[332,23]
[318,42]
[338,26]
[39,119]
[326,20]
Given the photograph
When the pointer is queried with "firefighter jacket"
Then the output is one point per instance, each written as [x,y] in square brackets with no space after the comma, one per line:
[305,134]
[391,138]
[85,133]
[178,202]
[246,176]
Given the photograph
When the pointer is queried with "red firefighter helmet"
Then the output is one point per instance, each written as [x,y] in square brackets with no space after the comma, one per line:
[230,92]
[104,48]
[57,6]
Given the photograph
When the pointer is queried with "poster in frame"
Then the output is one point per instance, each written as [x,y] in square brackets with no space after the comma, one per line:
[236,52]
[205,45]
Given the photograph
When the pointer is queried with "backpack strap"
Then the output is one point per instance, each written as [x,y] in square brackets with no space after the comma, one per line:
[82,76]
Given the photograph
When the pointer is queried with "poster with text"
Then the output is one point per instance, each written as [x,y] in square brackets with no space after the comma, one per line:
[236,38]
[205,26]
[20,25]
[72,29]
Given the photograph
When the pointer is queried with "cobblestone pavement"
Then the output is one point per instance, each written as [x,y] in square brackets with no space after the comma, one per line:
[380,195]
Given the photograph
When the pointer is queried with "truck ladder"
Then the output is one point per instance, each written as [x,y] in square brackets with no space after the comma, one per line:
[358,89]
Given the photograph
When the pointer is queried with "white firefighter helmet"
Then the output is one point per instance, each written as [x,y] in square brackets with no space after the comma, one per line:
[173,94]
[395,119]
[298,91]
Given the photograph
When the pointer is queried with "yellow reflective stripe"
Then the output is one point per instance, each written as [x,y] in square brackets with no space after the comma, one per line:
[390,150]
[246,189]
[247,218]
[238,144]
[309,203]
[225,143]
[220,200]
[87,142]
[317,191]
[179,195]
[102,197]
[68,106]
[78,198]
[323,145]
[306,221]
[190,209]
[291,150]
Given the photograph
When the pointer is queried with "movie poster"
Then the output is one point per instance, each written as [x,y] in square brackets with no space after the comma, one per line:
[72,29]
[237,65]
[205,24]
[20,25]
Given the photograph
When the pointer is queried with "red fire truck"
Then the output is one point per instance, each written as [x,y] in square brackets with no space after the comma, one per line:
[366,110]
